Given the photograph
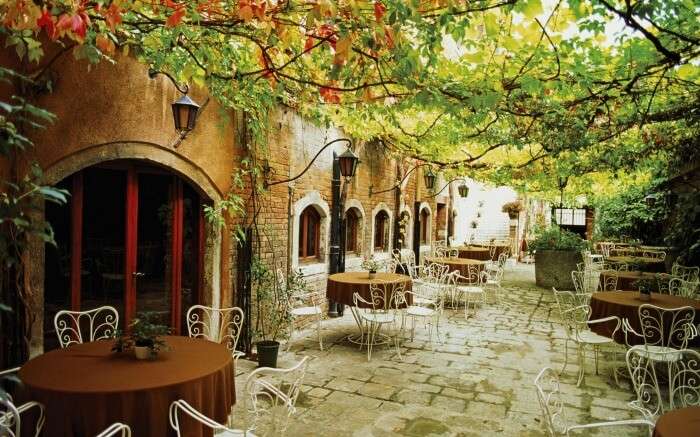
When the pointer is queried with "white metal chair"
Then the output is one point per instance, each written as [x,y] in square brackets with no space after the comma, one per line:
[101,323]
[116,429]
[552,405]
[492,280]
[306,305]
[272,395]
[576,324]
[471,288]
[684,382]
[180,406]
[379,312]
[11,415]
[425,307]
[663,330]
[683,288]
[686,273]
[220,325]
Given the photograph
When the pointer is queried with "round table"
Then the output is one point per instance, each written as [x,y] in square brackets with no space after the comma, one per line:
[474,252]
[644,263]
[459,264]
[626,279]
[684,422]
[85,387]
[625,304]
[341,286]
[500,248]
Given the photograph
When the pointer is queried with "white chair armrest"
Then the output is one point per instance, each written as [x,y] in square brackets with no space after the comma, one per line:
[629,422]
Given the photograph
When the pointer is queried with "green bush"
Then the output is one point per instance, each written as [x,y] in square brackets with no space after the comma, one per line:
[555,238]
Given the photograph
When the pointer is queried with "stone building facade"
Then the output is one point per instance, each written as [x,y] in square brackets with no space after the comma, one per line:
[113,119]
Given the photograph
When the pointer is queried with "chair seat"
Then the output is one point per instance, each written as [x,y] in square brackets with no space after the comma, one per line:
[591,337]
[379,317]
[306,311]
[492,282]
[660,353]
[419,311]
[470,289]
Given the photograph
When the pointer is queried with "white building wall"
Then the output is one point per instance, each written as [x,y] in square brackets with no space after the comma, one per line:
[487,202]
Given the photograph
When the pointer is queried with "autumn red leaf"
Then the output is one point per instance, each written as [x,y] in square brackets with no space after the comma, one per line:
[245,13]
[113,16]
[46,22]
[104,43]
[329,95]
[309,43]
[379,10]
[176,17]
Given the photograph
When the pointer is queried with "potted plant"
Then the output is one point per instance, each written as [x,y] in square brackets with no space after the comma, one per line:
[371,265]
[557,252]
[512,209]
[143,336]
[272,309]
[645,287]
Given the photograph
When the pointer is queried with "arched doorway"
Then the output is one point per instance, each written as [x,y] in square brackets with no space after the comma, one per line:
[132,236]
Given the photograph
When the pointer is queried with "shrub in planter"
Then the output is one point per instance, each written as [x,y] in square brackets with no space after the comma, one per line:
[556,254]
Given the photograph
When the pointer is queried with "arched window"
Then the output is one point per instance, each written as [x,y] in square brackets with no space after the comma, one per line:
[381,232]
[309,234]
[424,226]
[352,226]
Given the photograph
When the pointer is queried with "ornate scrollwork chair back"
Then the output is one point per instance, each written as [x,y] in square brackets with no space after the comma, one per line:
[220,325]
[86,326]
[685,380]
[645,383]
[116,430]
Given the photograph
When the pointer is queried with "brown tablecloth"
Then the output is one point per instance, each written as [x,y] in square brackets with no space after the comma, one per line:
[459,264]
[644,263]
[474,252]
[626,304]
[500,248]
[626,280]
[341,286]
[684,422]
[85,387]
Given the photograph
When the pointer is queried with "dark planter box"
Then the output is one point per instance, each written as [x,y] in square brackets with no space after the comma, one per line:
[553,268]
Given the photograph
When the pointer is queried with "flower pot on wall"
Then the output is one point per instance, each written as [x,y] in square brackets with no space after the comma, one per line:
[267,353]
[372,274]
[553,268]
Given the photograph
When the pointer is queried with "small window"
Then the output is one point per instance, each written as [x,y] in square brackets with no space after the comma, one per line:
[309,234]
[381,231]
[352,224]
[424,226]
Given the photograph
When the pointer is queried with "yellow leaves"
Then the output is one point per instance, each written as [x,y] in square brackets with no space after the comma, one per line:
[532,9]
[343,50]
[687,72]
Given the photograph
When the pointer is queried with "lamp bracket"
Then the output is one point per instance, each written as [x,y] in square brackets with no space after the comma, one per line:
[184,88]
[445,186]
[308,166]
[398,184]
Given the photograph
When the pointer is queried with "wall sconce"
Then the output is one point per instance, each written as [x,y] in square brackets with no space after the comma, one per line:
[429,178]
[463,190]
[348,161]
[185,110]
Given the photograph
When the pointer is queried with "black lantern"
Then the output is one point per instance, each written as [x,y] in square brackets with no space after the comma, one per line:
[463,190]
[185,114]
[429,178]
[348,163]
[650,199]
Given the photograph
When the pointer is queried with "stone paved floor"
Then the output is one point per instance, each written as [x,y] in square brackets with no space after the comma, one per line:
[478,383]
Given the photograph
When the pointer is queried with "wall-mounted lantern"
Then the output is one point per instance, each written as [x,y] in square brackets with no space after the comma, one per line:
[429,179]
[185,112]
[463,190]
[348,161]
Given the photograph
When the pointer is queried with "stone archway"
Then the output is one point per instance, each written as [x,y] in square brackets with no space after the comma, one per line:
[147,153]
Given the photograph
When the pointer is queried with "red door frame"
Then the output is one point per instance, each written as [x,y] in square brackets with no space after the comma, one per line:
[176,241]
[131,223]
[76,243]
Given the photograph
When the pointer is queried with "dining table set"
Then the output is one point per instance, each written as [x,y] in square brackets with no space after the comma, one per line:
[651,309]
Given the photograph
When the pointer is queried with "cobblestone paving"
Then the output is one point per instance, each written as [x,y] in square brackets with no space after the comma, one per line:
[479,382]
